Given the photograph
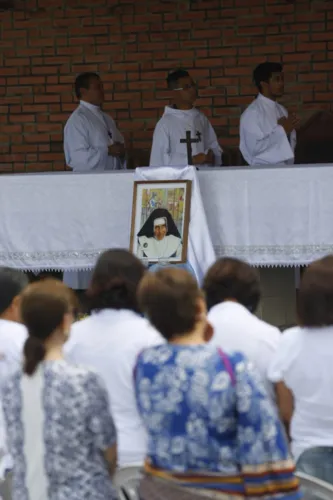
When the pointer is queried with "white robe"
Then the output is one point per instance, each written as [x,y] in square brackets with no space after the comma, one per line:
[167,148]
[169,247]
[86,140]
[262,140]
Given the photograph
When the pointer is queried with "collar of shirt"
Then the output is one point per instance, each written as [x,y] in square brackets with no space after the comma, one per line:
[230,306]
[92,107]
[266,101]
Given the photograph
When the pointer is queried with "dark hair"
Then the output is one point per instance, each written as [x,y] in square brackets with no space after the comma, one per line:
[83,82]
[175,76]
[315,298]
[43,307]
[114,283]
[264,71]
[169,297]
[12,282]
[232,279]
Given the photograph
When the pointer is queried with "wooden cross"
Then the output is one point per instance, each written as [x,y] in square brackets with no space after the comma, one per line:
[189,141]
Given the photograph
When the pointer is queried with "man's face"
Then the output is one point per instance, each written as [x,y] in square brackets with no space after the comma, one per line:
[275,86]
[95,93]
[188,93]
[160,231]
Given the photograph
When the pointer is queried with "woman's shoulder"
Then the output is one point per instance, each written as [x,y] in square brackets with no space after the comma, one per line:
[70,373]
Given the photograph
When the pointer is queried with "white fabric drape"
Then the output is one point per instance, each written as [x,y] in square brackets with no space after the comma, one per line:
[201,254]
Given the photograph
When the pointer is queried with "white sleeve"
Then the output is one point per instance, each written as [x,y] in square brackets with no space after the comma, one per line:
[80,155]
[116,134]
[160,152]
[284,357]
[272,146]
[212,143]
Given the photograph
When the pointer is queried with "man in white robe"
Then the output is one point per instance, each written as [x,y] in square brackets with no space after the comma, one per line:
[179,118]
[159,238]
[267,131]
[232,292]
[92,141]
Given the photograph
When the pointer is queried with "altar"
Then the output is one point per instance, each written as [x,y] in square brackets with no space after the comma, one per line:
[275,217]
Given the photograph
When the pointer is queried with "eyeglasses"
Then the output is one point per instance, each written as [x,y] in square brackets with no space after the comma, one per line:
[189,86]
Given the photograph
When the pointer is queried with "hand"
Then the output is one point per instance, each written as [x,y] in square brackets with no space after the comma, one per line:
[297,121]
[210,158]
[289,123]
[117,149]
[199,159]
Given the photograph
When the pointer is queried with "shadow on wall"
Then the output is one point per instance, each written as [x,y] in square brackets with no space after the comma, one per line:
[315,139]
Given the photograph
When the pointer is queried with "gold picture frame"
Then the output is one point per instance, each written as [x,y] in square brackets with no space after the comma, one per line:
[160,220]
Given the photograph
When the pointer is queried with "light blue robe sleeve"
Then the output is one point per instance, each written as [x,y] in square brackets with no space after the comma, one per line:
[80,155]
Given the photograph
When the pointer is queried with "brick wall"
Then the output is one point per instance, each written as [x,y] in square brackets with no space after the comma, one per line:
[132,44]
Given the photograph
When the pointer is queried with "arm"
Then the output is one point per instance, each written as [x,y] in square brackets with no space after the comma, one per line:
[100,422]
[271,146]
[211,143]
[262,446]
[80,155]
[160,152]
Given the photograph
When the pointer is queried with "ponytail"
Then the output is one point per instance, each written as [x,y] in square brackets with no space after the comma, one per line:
[34,353]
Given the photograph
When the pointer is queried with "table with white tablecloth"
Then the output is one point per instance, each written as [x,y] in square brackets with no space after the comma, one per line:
[269,216]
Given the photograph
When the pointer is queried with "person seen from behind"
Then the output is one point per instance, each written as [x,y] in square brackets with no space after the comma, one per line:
[213,431]
[60,432]
[303,374]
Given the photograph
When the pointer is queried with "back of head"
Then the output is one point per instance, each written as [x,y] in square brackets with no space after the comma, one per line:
[315,299]
[114,283]
[174,77]
[169,298]
[264,71]
[232,279]
[44,305]
[83,82]
[12,283]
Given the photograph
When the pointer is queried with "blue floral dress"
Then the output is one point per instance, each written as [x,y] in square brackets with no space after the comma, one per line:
[210,425]
[58,426]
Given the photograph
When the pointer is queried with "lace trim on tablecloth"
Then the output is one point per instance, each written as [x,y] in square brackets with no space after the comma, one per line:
[82,260]
[275,255]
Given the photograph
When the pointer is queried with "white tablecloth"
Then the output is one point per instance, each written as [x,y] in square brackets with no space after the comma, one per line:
[277,216]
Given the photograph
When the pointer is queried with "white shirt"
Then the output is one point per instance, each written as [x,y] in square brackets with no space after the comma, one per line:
[110,341]
[169,247]
[167,148]
[262,140]
[12,338]
[236,329]
[88,134]
[303,362]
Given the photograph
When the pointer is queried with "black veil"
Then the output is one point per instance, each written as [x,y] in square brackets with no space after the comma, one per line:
[148,227]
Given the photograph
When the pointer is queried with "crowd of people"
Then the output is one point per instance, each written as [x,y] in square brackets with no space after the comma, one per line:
[182,387]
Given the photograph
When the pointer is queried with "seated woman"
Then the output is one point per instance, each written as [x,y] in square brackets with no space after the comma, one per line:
[303,372]
[60,432]
[109,341]
[212,429]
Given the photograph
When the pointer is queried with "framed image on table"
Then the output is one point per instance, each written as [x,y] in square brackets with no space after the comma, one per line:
[160,221]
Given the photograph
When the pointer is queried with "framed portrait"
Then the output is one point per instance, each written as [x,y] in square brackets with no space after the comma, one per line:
[160,220]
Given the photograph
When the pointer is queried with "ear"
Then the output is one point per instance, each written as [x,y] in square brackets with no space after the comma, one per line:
[208,332]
